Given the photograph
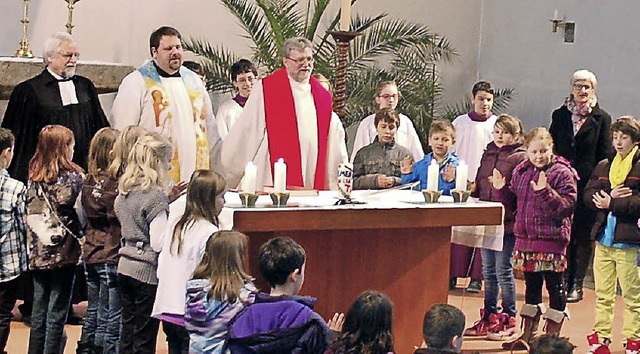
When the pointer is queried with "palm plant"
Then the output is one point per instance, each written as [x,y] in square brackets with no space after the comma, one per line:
[387,49]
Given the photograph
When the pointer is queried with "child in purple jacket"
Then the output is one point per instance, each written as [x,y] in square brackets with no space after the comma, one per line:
[545,187]
[504,153]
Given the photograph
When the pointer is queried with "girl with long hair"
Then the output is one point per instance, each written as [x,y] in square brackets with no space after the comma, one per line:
[188,230]
[367,326]
[142,207]
[52,235]
[220,288]
[101,328]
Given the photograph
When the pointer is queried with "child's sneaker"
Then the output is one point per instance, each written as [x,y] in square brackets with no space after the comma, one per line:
[632,346]
[509,332]
[481,327]
[596,346]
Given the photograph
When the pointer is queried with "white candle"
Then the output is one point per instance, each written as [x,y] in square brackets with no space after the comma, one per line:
[433,172]
[555,14]
[249,180]
[462,174]
[345,15]
[280,176]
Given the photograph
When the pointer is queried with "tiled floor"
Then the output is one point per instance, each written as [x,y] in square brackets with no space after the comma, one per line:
[582,316]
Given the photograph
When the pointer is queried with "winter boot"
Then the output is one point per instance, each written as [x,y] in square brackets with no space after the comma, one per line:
[481,327]
[530,320]
[553,321]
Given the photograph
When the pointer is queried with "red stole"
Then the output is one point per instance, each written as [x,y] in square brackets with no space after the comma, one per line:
[282,126]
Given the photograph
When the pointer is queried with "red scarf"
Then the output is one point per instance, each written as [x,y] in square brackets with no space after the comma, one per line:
[282,126]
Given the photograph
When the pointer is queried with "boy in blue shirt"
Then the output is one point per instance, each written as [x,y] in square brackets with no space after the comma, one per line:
[441,138]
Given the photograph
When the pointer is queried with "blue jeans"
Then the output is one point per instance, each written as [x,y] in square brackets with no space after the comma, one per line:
[51,300]
[498,275]
[102,323]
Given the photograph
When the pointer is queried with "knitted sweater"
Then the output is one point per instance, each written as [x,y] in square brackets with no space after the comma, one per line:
[135,211]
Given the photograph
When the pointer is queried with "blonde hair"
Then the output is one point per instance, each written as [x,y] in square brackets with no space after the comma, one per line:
[540,133]
[144,164]
[122,147]
[101,150]
[511,124]
[223,264]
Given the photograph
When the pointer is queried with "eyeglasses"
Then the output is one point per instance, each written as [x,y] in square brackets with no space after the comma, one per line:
[301,61]
[582,87]
[387,96]
[247,79]
[68,56]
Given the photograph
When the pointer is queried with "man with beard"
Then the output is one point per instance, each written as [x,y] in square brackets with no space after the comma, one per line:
[55,96]
[167,98]
[288,116]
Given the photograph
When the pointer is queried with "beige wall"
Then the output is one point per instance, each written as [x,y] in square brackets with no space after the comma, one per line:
[118,30]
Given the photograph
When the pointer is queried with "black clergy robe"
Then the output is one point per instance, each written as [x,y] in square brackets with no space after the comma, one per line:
[36,103]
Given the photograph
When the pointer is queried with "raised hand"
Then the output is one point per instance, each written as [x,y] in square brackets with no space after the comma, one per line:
[177,190]
[542,182]
[406,165]
[449,173]
[335,323]
[497,179]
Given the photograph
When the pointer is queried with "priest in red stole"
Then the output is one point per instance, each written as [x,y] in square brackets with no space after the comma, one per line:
[288,116]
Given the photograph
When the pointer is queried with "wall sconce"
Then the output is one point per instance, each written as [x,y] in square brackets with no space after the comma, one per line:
[556,22]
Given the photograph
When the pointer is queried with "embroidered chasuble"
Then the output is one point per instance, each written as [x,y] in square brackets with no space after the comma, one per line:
[178,106]
[302,111]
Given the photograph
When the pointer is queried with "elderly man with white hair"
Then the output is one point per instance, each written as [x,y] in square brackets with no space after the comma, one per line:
[288,115]
[55,96]
[580,131]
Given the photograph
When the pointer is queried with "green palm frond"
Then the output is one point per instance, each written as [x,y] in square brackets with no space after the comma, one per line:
[384,36]
[284,18]
[216,63]
[311,26]
[253,22]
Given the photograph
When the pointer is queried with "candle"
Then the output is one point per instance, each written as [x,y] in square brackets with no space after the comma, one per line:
[280,176]
[433,175]
[555,14]
[345,15]
[249,180]
[462,174]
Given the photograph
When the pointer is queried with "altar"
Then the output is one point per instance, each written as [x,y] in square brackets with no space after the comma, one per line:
[394,244]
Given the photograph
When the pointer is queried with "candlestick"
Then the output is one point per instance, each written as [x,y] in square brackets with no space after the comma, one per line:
[462,174]
[345,15]
[343,39]
[24,51]
[433,175]
[249,179]
[70,5]
[280,176]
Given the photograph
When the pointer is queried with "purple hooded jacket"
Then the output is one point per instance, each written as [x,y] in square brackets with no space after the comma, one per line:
[544,217]
[279,324]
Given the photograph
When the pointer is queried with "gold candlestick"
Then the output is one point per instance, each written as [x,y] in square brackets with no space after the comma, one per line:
[70,6]
[24,51]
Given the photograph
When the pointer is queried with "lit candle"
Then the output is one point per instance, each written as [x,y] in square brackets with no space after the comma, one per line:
[345,15]
[280,176]
[433,172]
[249,180]
[462,173]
